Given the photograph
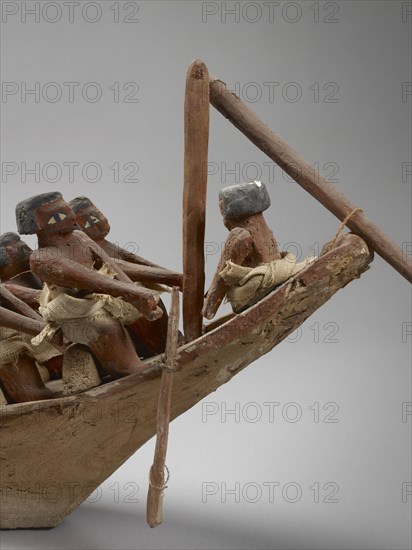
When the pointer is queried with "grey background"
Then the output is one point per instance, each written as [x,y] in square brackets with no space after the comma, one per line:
[365,136]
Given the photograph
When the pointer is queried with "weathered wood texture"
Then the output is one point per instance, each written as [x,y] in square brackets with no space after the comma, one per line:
[28,295]
[265,247]
[20,323]
[28,325]
[149,274]
[196,124]
[86,437]
[239,245]
[241,116]
[16,304]
[156,476]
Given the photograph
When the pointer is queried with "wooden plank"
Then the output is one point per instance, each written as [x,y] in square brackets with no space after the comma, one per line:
[241,116]
[196,125]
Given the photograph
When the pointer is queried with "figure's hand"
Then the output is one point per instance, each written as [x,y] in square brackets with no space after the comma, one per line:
[145,301]
[155,314]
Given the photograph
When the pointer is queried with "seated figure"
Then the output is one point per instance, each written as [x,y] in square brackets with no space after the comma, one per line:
[251,264]
[16,277]
[14,261]
[20,379]
[149,337]
[81,295]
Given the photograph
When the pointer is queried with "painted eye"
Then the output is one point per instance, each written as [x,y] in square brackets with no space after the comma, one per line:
[92,219]
[56,218]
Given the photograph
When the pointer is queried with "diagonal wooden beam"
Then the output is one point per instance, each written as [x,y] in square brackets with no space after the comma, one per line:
[241,116]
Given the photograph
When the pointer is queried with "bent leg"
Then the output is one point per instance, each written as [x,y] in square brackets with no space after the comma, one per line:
[114,350]
[149,337]
[21,381]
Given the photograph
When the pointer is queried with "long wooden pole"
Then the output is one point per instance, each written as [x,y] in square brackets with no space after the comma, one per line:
[154,513]
[196,126]
[241,116]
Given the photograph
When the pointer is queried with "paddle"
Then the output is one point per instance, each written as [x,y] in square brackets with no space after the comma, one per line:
[157,483]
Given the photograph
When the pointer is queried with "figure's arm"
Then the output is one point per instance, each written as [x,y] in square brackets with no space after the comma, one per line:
[238,246]
[119,253]
[135,259]
[21,323]
[14,303]
[65,272]
[148,274]
[26,294]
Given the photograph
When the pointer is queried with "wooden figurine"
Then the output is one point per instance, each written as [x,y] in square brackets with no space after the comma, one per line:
[251,264]
[20,378]
[15,269]
[14,261]
[149,337]
[17,278]
[95,224]
[77,297]
[75,366]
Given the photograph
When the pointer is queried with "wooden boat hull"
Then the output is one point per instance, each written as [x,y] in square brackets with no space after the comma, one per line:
[55,453]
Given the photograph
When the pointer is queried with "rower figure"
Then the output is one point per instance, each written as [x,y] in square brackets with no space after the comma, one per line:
[16,277]
[80,296]
[14,261]
[20,379]
[95,224]
[149,337]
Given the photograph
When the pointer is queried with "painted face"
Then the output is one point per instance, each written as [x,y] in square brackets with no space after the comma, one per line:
[93,222]
[14,259]
[55,217]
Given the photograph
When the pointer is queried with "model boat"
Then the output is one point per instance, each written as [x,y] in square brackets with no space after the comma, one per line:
[55,453]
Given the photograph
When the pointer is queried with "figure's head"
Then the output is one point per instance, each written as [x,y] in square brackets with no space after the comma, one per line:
[242,201]
[89,218]
[47,213]
[14,256]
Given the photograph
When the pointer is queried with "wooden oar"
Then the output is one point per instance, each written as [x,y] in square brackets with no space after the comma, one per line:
[157,483]
[241,116]
[196,126]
